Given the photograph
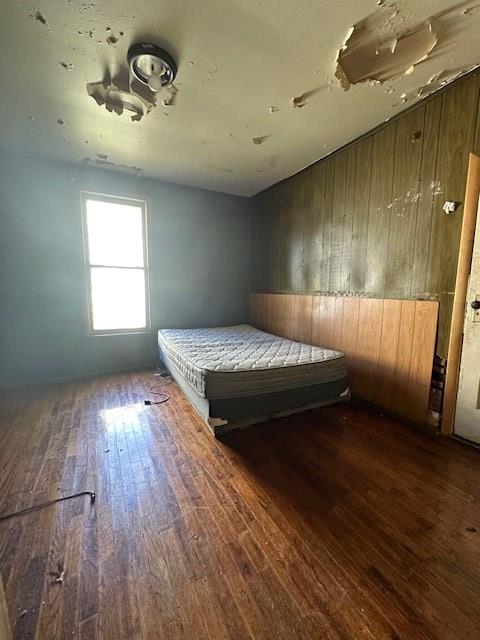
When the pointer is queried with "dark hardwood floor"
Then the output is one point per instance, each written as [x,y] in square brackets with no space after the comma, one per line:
[335,524]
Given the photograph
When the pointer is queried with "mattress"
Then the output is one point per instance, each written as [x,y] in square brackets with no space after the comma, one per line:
[239,361]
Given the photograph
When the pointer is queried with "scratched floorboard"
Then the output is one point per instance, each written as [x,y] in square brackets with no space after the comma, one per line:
[335,524]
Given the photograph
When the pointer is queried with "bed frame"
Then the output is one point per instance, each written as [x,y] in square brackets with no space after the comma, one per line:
[226,414]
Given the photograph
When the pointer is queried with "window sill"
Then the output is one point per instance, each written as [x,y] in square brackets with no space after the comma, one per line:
[96,334]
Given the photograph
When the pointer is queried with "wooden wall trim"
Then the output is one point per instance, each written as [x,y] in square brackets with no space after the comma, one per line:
[389,344]
[472,192]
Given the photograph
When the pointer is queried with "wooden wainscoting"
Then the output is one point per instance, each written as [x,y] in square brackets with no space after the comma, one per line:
[389,344]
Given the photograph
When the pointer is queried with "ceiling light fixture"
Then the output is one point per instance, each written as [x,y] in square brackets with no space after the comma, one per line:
[152,65]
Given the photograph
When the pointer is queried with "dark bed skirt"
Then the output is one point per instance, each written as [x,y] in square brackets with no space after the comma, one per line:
[270,403]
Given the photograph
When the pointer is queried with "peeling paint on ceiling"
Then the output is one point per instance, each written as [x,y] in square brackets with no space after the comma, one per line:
[260,90]
[119,95]
[380,47]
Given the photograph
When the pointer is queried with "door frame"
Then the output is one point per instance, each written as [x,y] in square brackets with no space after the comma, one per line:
[472,192]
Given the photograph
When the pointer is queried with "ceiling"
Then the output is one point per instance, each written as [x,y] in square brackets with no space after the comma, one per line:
[234,125]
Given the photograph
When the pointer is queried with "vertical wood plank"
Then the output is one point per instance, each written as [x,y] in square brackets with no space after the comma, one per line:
[379,213]
[345,266]
[289,315]
[267,314]
[363,176]
[258,306]
[280,312]
[260,309]
[303,318]
[323,321]
[421,362]
[338,218]
[404,203]
[368,346]
[431,190]
[351,308]
[400,399]
[280,241]
[296,245]
[266,311]
[337,323]
[271,214]
[253,314]
[327,225]
[315,227]
[392,310]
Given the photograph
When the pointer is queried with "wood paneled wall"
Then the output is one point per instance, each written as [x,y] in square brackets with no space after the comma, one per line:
[368,220]
[389,344]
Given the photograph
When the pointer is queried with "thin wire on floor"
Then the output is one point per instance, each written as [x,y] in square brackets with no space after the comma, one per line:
[164,397]
[7,516]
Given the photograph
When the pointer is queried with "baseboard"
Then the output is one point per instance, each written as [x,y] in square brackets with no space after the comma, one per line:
[80,376]
[382,412]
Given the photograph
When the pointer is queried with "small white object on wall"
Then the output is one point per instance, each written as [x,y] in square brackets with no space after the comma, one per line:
[449,206]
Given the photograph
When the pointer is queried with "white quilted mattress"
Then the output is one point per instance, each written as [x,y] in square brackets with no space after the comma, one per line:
[227,362]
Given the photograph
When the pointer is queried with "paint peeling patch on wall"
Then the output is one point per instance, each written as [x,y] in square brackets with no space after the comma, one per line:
[380,48]
[436,188]
[416,135]
[299,101]
[171,96]
[88,32]
[260,139]
[302,100]
[374,51]
[113,38]
[118,96]
[39,17]
[413,196]
[434,83]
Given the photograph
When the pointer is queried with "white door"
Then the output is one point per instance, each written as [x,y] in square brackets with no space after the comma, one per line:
[467,415]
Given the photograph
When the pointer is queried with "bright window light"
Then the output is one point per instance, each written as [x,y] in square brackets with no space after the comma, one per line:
[115,252]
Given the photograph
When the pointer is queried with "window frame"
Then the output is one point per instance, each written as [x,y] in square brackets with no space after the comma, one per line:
[136,202]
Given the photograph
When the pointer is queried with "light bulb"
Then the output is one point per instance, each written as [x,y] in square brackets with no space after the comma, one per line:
[155,82]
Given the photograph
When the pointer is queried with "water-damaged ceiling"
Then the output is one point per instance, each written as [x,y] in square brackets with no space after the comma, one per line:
[263,89]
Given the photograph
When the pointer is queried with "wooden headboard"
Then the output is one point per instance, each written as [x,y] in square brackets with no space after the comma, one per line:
[389,344]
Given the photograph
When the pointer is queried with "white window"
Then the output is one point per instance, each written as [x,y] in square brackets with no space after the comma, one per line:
[115,248]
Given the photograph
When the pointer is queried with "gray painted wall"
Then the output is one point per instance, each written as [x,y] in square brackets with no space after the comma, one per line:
[199,255]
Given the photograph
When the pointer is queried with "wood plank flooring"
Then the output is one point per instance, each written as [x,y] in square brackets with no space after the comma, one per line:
[336,524]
